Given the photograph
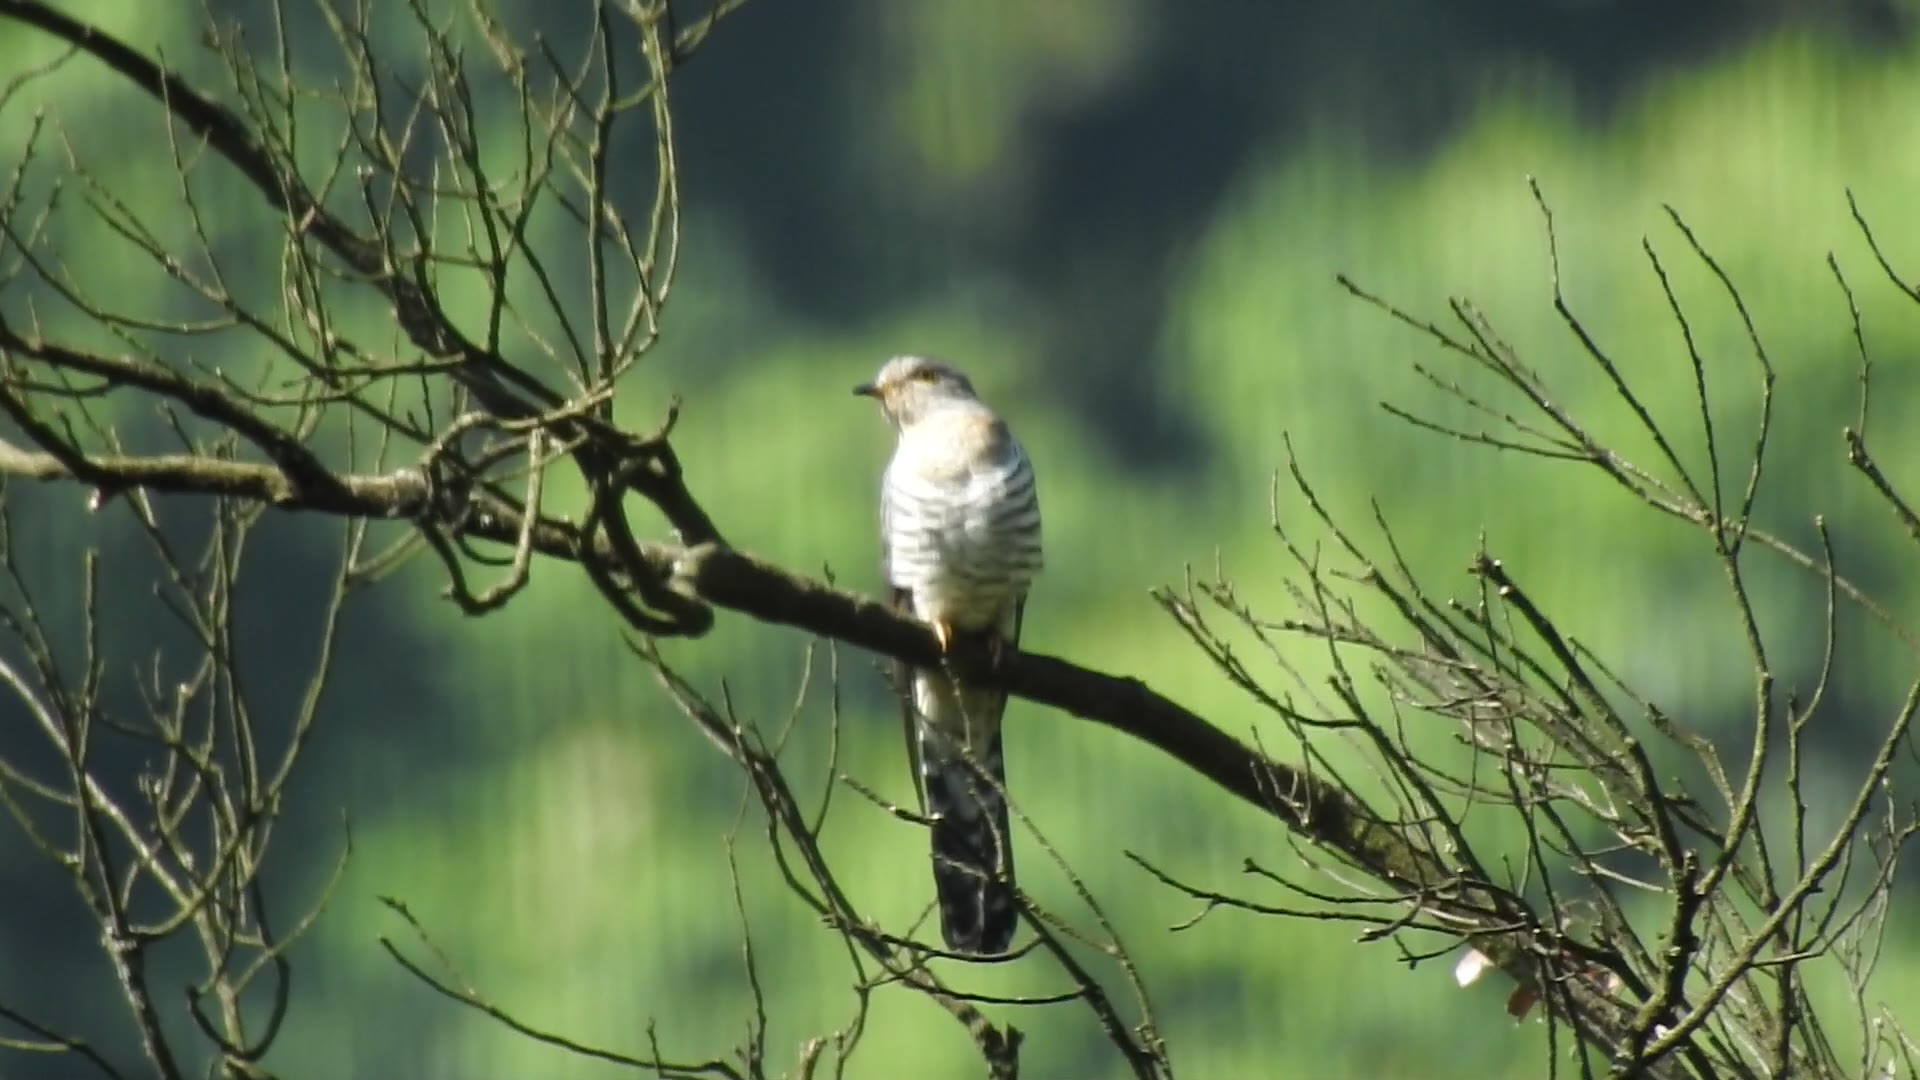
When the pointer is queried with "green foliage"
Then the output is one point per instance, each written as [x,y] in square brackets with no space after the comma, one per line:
[548,815]
[598,848]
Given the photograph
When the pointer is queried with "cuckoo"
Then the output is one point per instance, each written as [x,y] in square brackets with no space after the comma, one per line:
[960,542]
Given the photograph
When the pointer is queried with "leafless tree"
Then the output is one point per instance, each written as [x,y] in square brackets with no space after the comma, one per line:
[1661,925]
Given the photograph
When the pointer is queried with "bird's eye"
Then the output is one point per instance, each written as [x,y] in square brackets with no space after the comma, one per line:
[926,375]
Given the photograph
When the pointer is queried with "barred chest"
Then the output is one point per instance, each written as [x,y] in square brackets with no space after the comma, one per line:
[965,605]
[967,552]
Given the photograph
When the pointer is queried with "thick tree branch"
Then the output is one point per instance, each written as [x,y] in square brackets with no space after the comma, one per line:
[399,494]
[730,579]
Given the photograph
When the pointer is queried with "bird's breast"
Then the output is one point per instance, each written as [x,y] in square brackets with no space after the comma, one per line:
[967,547]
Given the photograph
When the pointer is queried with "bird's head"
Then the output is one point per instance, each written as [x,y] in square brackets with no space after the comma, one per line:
[909,387]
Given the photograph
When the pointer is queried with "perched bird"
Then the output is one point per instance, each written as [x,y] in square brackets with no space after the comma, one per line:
[960,537]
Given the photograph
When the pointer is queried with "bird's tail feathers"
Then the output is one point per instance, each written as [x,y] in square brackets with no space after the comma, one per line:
[972,842]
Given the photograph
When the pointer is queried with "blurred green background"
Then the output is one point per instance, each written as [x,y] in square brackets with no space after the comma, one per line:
[1124,219]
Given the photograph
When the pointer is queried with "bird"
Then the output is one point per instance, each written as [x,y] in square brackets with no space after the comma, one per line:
[960,543]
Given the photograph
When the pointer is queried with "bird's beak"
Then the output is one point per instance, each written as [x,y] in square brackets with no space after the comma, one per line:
[866,389]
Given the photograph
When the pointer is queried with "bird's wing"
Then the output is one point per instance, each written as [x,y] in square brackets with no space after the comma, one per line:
[900,600]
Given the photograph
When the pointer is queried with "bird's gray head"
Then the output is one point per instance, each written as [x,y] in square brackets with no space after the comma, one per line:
[909,387]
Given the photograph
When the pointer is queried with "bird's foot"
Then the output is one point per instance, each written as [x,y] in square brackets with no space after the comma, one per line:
[943,633]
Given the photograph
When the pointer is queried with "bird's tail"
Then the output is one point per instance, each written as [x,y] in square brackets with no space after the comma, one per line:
[972,843]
